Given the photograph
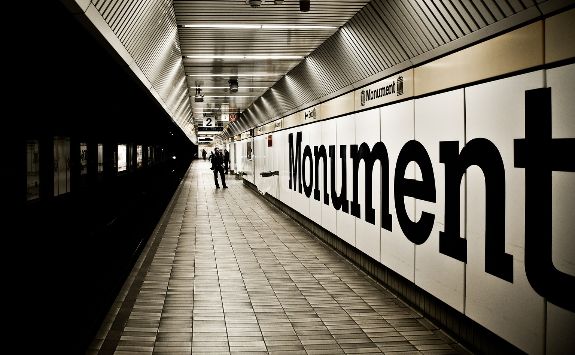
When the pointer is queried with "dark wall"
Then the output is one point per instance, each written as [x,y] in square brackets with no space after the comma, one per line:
[70,254]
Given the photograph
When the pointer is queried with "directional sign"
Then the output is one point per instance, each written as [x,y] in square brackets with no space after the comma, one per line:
[209,122]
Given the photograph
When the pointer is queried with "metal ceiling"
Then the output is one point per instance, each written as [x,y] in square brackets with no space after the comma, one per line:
[387,36]
[147,30]
[250,42]
[367,41]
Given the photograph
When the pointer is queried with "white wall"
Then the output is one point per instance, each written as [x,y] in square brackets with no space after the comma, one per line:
[397,128]
[560,322]
[438,118]
[494,111]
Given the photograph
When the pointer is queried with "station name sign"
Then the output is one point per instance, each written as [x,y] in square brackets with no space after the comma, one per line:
[387,90]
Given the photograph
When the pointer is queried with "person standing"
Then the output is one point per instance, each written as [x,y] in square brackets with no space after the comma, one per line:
[204,154]
[217,161]
[226,160]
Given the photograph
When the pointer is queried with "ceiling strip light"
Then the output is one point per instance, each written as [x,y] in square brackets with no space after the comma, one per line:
[255,57]
[236,96]
[242,26]
[298,27]
[227,87]
[235,75]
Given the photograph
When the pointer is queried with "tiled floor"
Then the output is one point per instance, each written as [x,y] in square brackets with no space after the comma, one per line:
[228,273]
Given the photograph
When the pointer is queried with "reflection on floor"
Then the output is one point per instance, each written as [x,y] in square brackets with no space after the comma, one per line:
[226,272]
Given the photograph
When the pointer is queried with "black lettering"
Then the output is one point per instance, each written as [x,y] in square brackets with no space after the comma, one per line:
[413,151]
[295,162]
[484,154]
[320,153]
[540,155]
[307,188]
[379,152]
[341,200]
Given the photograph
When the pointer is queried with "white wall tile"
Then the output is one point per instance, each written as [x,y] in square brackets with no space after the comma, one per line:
[438,118]
[367,130]
[328,213]
[248,164]
[315,134]
[496,111]
[345,136]
[259,162]
[562,83]
[397,128]
[275,152]
[560,326]
[561,322]
[285,192]
[299,200]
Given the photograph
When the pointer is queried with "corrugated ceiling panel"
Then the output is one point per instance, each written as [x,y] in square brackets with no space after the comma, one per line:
[148,31]
[282,92]
[383,34]
[323,56]
[362,31]
[367,26]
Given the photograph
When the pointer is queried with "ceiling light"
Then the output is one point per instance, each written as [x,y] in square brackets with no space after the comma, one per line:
[217,112]
[255,3]
[298,27]
[244,26]
[237,96]
[237,75]
[233,85]
[243,87]
[236,26]
[254,57]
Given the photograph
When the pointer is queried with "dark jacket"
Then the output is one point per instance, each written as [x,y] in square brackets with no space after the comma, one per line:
[217,160]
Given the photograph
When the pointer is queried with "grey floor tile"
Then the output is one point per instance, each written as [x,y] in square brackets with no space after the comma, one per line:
[231,274]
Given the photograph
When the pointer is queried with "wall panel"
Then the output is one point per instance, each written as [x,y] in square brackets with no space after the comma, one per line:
[299,200]
[285,192]
[560,322]
[260,163]
[439,118]
[346,137]
[328,213]
[315,134]
[367,130]
[397,128]
[496,111]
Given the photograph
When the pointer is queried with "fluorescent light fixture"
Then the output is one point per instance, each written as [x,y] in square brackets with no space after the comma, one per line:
[227,87]
[238,96]
[215,109]
[248,26]
[254,57]
[236,75]
[298,27]
[235,26]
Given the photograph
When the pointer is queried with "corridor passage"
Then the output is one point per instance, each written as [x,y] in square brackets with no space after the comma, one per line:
[225,272]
